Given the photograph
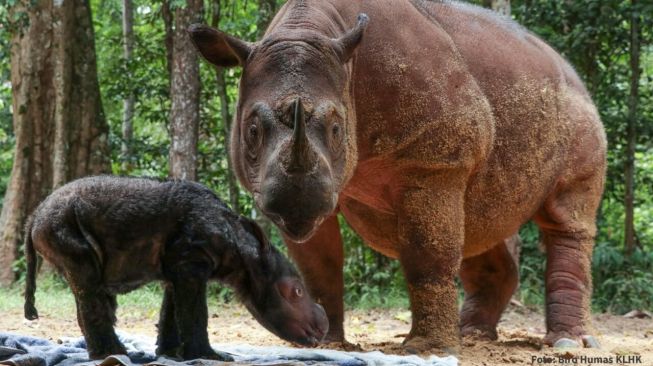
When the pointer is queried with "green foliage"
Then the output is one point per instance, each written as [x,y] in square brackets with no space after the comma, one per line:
[592,34]
[371,279]
[531,266]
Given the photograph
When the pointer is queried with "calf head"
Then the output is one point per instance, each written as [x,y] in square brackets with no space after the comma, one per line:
[293,142]
[275,294]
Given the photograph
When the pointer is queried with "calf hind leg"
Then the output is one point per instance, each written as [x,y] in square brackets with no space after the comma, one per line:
[96,308]
[168,342]
[96,317]
[489,280]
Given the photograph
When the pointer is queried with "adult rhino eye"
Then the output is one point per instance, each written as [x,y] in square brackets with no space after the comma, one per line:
[335,131]
[253,137]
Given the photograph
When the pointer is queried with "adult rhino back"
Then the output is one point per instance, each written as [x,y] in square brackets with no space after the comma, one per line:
[441,128]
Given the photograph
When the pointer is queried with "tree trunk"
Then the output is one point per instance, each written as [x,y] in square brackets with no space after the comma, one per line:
[631,131]
[225,104]
[128,102]
[60,129]
[185,93]
[266,11]
[166,14]
[234,191]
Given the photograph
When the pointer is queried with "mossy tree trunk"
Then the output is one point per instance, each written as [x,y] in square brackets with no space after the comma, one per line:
[130,100]
[184,93]
[60,129]
[631,131]
[225,114]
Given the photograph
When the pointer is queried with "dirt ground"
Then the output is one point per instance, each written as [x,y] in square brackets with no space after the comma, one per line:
[519,344]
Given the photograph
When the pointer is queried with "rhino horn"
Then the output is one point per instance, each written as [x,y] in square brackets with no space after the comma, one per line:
[302,157]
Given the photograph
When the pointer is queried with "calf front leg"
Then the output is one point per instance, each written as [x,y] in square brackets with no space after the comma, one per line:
[191,313]
[431,231]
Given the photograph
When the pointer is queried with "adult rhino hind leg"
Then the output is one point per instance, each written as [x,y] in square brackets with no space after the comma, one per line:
[489,280]
[320,260]
[431,234]
[567,224]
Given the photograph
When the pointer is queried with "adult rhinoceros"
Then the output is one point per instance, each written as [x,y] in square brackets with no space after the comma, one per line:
[437,131]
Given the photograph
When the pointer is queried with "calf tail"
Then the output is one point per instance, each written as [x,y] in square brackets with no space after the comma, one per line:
[30,280]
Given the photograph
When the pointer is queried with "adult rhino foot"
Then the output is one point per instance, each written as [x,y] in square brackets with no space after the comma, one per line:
[479,332]
[561,342]
[424,345]
[335,336]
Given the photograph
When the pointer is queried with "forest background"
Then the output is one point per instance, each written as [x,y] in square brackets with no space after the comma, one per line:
[114,86]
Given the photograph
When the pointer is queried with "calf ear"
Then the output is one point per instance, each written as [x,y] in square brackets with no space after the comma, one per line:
[346,45]
[218,47]
[252,227]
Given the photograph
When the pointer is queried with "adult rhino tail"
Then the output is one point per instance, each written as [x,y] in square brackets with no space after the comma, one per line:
[30,280]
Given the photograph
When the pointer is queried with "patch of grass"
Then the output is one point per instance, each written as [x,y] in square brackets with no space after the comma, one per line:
[53,296]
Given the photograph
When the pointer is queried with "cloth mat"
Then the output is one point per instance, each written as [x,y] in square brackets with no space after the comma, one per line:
[18,350]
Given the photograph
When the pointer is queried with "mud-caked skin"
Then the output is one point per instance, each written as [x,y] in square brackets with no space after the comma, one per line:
[110,235]
[437,129]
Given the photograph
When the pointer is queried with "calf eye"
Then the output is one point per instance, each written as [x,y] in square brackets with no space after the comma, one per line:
[253,131]
[299,292]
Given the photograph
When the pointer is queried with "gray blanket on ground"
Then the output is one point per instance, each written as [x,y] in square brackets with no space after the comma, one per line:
[17,350]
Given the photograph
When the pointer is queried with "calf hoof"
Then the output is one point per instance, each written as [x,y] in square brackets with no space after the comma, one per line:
[217,356]
[479,332]
[423,345]
[101,354]
[172,352]
[207,354]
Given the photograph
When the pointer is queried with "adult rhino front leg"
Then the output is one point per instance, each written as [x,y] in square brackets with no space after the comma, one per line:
[320,260]
[431,234]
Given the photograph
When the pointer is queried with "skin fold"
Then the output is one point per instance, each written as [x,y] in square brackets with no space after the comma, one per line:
[110,235]
[437,129]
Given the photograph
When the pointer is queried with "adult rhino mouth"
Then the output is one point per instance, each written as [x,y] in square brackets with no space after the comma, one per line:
[297,230]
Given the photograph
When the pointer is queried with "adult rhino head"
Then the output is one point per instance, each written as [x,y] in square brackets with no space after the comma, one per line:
[293,141]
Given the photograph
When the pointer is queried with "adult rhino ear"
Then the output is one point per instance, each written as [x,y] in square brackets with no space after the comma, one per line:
[218,47]
[347,43]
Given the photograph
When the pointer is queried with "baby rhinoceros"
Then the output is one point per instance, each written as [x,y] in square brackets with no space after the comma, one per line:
[110,235]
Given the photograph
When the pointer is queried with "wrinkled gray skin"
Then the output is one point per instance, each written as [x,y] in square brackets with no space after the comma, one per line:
[110,235]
